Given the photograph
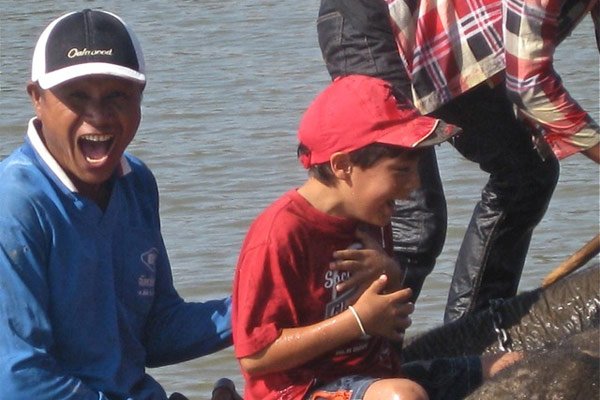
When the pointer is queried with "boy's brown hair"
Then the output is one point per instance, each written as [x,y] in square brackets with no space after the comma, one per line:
[364,157]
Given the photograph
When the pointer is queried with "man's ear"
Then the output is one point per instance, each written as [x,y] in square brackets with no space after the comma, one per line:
[341,165]
[35,94]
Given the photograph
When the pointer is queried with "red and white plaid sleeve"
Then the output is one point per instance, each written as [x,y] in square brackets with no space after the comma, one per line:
[532,30]
[447,46]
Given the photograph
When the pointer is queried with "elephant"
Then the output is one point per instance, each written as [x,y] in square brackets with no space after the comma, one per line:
[533,320]
[557,327]
[569,370]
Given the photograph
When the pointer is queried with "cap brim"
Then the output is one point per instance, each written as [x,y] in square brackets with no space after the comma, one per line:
[440,133]
[422,131]
[62,75]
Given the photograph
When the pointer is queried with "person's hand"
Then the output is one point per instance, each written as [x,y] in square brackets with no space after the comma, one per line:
[386,315]
[365,264]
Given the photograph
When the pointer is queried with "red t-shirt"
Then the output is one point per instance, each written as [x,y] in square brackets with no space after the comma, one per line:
[282,281]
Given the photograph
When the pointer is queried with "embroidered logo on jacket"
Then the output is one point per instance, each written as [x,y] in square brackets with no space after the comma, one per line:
[146,281]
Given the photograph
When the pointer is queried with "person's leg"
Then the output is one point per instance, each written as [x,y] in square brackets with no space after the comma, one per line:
[356,38]
[360,387]
[447,378]
[452,378]
[513,201]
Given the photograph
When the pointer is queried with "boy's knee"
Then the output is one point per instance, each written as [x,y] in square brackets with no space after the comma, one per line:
[399,388]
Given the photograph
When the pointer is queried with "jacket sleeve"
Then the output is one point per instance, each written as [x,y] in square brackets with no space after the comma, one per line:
[533,29]
[188,330]
[27,368]
[179,331]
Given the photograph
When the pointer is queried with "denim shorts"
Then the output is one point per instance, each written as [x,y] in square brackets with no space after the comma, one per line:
[351,387]
[451,378]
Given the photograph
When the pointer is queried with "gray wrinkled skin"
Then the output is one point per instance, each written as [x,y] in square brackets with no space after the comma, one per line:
[533,320]
[557,328]
[570,371]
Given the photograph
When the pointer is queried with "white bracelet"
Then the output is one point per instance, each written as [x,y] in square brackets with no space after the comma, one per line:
[360,325]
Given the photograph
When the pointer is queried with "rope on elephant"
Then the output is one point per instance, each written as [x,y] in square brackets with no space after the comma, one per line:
[504,342]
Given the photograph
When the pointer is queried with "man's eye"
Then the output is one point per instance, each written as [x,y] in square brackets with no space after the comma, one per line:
[118,95]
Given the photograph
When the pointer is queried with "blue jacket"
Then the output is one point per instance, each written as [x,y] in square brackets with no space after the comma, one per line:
[87,297]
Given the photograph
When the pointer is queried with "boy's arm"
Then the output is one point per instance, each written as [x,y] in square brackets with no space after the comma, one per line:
[366,264]
[296,346]
[380,315]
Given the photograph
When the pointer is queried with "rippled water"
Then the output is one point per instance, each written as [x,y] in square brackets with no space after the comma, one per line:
[228,81]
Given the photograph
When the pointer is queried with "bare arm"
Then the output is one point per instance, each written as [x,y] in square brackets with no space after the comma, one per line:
[366,264]
[381,315]
[593,153]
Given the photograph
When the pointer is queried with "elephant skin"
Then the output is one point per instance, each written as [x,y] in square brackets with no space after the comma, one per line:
[557,328]
[533,320]
[570,370]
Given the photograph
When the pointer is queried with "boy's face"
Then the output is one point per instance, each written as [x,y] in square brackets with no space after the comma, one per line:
[86,125]
[374,189]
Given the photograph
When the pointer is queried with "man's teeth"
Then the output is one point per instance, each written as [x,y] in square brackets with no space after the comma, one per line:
[97,138]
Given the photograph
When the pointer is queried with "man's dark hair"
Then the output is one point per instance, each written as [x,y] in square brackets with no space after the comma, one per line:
[364,157]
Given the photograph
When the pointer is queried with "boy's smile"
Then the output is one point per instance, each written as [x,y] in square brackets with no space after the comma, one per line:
[372,191]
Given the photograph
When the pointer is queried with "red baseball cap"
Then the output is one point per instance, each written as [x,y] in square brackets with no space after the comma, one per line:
[357,110]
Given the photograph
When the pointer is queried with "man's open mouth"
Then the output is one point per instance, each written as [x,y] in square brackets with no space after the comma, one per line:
[95,148]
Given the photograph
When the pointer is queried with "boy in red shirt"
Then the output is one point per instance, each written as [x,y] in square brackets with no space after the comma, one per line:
[307,324]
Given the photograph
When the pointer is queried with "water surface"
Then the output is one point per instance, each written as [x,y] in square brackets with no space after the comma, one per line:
[227,83]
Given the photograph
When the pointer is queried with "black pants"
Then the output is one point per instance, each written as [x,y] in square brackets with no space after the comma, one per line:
[356,38]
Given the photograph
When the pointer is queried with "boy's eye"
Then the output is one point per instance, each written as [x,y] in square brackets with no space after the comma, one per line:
[403,170]
[78,95]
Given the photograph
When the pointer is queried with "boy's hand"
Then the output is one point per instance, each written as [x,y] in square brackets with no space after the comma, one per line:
[386,315]
[366,264]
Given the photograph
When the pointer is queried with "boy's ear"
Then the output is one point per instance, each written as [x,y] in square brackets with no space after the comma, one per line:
[341,165]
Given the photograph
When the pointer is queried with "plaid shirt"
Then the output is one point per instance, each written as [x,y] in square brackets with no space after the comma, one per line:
[533,29]
[447,46]
[450,46]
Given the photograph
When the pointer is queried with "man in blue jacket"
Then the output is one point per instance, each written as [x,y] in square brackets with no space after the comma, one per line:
[86,293]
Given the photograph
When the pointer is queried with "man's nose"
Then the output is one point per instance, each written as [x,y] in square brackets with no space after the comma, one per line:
[97,111]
